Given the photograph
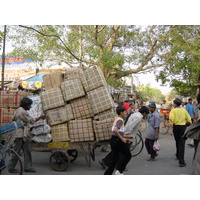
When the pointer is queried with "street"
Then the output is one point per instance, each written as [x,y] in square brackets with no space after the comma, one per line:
[165,164]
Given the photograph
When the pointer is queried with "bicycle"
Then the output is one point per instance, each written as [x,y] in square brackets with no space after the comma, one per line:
[6,152]
[143,125]
[136,144]
[165,123]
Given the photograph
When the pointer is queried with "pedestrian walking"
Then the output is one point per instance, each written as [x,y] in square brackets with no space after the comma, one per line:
[153,131]
[132,125]
[23,136]
[190,109]
[119,144]
[178,118]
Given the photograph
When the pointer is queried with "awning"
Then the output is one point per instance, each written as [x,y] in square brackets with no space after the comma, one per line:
[38,77]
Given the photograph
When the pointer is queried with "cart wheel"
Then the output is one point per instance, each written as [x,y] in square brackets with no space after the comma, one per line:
[59,160]
[73,154]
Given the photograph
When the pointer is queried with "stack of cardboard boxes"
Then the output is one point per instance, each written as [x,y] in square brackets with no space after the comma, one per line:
[73,103]
[9,102]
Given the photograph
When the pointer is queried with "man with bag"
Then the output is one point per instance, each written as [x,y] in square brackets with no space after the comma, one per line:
[152,132]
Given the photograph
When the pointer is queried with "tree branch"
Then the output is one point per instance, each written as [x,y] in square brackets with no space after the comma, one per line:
[68,50]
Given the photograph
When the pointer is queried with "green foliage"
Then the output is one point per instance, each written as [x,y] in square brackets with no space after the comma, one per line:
[182,64]
[147,93]
[173,94]
[115,49]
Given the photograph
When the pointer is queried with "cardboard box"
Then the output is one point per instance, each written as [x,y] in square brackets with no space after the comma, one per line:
[59,115]
[107,114]
[81,130]
[72,89]
[52,98]
[103,129]
[36,107]
[12,98]
[60,133]
[73,73]
[92,79]
[100,99]
[6,115]
[81,108]
[52,80]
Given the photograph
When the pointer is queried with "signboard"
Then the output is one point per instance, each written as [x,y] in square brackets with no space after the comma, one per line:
[15,60]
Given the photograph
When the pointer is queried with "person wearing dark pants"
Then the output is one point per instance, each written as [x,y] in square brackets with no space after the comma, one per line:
[23,136]
[119,144]
[25,146]
[132,124]
[118,147]
[178,131]
[153,131]
[178,118]
[149,146]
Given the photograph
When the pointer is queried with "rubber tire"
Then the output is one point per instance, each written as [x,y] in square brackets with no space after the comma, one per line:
[139,141]
[59,160]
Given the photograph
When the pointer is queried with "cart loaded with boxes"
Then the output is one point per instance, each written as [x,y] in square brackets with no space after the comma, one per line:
[72,104]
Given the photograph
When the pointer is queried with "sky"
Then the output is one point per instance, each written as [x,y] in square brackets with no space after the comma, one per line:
[150,78]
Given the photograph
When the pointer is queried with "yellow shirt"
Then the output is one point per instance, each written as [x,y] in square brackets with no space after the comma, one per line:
[179,116]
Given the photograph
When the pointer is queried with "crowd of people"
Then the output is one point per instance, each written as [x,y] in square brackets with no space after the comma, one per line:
[180,117]
[125,127]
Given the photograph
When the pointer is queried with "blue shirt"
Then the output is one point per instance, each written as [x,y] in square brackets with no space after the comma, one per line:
[154,122]
[190,109]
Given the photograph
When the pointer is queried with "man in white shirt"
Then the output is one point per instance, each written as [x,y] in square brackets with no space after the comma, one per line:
[131,128]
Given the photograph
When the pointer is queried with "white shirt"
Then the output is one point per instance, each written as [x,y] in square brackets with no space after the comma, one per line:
[133,124]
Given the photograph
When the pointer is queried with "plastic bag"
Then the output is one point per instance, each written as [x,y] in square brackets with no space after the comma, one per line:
[156,146]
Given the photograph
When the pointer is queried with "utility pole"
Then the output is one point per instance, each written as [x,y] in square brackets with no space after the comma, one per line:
[3,59]
[80,47]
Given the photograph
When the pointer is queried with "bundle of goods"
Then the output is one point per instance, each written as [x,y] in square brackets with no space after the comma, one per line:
[81,108]
[100,99]
[81,130]
[92,79]
[41,131]
[60,133]
[80,97]
[73,73]
[72,89]
[6,115]
[111,113]
[52,80]
[52,98]
[59,115]
[11,98]
[36,107]
[103,129]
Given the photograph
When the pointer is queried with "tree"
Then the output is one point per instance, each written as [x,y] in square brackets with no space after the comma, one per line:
[147,93]
[173,94]
[115,49]
[182,69]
